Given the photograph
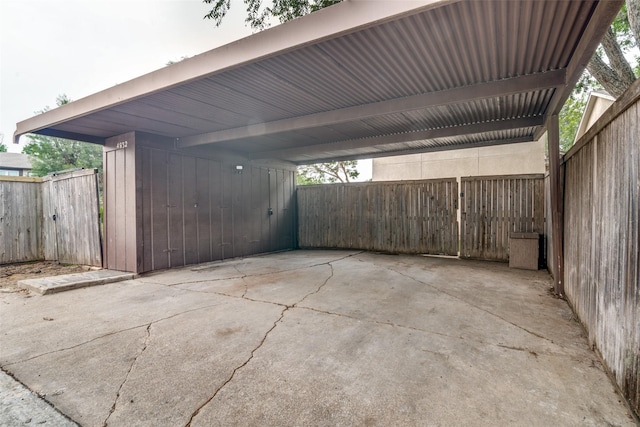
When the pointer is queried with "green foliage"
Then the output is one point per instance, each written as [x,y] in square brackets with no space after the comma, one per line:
[622,29]
[569,119]
[49,154]
[3,148]
[572,111]
[258,17]
[324,173]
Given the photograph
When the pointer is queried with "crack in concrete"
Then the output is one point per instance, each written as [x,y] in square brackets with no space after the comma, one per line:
[380,322]
[244,275]
[426,331]
[246,285]
[126,377]
[319,287]
[233,373]
[148,281]
[109,334]
[470,304]
[264,338]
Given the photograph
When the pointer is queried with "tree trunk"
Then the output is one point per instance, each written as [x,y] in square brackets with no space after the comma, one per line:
[618,75]
[633,13]
[606,76]
[617,60]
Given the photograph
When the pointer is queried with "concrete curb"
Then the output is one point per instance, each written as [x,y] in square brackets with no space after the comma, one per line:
[67,282]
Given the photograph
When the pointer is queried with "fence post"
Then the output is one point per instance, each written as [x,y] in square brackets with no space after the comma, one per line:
[557,220]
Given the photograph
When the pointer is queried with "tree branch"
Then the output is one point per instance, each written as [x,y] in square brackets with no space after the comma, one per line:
[606,76]
[617,61]
[633,13]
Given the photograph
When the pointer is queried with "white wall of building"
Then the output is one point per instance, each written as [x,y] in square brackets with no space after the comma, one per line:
[510,159]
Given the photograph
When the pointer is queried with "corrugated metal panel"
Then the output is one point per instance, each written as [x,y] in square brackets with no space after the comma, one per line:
[436,144]
[449,45]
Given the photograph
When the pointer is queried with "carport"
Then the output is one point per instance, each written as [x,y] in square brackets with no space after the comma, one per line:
[200,156]
[200,164]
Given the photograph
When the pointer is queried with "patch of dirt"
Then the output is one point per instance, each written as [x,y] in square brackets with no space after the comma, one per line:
[11,273]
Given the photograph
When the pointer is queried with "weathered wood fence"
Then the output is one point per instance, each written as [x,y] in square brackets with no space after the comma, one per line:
[20,219]
[53,218]
[602,241]
[402,217]
[493,207]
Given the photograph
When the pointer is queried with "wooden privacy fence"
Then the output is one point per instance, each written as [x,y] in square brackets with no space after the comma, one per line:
[493,207]
[602,238]
[403,217]
[52,218]
[20,219]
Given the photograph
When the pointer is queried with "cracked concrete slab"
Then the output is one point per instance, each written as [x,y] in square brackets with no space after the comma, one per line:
[312,338]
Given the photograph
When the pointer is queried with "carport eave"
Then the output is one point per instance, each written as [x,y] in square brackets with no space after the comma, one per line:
[324,24]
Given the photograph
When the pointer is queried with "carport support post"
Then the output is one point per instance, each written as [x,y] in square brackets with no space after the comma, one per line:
[557,220]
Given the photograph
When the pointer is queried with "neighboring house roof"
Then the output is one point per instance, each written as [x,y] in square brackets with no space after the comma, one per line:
[597,104]
[360,79]
[15,161]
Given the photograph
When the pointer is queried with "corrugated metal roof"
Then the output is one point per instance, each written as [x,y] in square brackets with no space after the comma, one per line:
[445,74]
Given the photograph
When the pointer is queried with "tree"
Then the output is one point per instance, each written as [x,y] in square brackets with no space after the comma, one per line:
[618,74]
[619,47]
[49,154]
[259,18]
[3,148]
[322,173]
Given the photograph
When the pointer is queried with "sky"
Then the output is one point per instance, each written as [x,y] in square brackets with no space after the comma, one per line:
[80,47]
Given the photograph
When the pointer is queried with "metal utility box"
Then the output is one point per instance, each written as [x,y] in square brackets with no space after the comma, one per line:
[524,250]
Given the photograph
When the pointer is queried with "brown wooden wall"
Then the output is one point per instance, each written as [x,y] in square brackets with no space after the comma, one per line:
[166,208]
[493,207]
[602,240]
[403,217]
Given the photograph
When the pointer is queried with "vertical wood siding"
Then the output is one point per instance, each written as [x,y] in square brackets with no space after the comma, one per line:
[494,207]
[403,217]
[20,220]
[602,242]
[28,231]
[196,210]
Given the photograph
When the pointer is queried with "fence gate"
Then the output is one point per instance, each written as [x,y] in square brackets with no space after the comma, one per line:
[493,207]
[70,211]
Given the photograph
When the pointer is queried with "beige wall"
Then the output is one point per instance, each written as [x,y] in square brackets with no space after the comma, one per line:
[597,104]
[511,159]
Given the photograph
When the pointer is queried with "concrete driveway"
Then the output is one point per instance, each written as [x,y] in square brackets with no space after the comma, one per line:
[312,338]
